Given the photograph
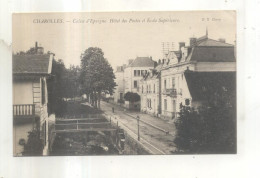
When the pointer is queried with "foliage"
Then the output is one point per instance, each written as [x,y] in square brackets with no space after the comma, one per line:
[62,84]
[210,128]
[34,145]
[96,74]
[132,97]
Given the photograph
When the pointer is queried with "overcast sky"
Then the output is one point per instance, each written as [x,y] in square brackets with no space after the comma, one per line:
[119,41]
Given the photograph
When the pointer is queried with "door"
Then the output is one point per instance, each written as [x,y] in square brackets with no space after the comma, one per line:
[174,108]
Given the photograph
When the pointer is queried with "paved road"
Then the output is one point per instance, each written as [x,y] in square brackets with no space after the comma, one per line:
[156,137]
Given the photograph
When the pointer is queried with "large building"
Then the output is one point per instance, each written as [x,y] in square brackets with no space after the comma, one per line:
[30,99]
[186,75]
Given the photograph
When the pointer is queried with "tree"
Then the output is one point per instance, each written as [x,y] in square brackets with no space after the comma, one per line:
[96,75]
[34,145]
[57,88]
[132,97]
[210,128]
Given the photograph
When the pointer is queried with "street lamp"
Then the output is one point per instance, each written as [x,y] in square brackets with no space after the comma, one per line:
[138,133]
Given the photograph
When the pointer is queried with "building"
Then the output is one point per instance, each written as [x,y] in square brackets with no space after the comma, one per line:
[150,91]
[30,98]
[204,63]
[119,90]
[133,73]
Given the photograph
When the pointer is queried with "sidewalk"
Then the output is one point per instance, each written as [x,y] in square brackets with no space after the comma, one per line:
[158,122]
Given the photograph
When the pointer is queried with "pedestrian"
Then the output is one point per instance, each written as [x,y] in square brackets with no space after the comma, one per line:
[113,109]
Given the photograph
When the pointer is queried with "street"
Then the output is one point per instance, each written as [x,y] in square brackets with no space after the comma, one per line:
[151,129]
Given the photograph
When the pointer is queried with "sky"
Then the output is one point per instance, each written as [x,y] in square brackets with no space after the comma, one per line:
[121,35]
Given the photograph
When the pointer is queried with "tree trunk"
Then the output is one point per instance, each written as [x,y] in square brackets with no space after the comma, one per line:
[99,97]
[95,99]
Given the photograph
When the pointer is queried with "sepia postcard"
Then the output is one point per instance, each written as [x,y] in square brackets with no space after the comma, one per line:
[124,83]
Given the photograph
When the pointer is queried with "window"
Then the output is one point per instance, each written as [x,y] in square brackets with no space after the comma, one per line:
[153,88]
[165,104]
[173,82]
[121,96]
[135,73]
[187,102]
[43,91]
[142,89]
[135,84]
[165,84]
[138,73]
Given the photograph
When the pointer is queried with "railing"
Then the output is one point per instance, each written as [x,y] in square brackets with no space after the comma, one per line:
[172,92]
[24,110]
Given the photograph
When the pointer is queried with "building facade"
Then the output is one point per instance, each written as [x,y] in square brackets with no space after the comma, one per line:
[202,64]
[150,91]
[119,89]
[133,72]
[30,99]
[186,75]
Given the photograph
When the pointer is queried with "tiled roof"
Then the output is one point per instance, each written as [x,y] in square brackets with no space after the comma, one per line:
[212,54]
[142,62]
[35,64]
[211,42]
[208,50]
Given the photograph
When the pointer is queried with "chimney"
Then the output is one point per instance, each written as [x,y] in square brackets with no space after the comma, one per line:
[36,47]
[181,44]
[223,40]
[193,42]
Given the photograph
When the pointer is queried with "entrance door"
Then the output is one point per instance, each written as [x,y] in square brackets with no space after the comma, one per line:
[174,108]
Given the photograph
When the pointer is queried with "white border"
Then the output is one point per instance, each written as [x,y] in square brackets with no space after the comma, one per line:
[244,164]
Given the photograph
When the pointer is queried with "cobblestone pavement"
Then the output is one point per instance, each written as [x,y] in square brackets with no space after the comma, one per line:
[151,129]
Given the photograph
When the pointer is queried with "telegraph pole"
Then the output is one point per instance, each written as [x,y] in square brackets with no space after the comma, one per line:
[138,133]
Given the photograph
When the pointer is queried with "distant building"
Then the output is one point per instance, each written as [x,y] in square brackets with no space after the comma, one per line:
[133,73]
[119,90]
[150,91]
[30,98]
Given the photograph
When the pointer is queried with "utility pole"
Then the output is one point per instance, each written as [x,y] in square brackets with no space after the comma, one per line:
[138,133]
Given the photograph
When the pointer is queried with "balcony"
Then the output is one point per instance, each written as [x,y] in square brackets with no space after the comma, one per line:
[172,92]
[24,110]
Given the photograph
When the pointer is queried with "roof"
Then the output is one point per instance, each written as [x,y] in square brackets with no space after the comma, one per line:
[203,84]
[32,64]
[211,42]
[142,62]
[208,50]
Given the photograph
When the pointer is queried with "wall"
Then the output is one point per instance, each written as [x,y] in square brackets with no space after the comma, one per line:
[20,131]
[22,92]
[176,72]
[120,85]
[130,78]
[151,95]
